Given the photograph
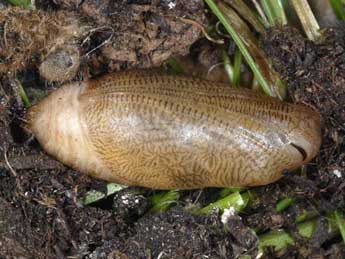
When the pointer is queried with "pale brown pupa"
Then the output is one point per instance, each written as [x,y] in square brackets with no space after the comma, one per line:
[174,132]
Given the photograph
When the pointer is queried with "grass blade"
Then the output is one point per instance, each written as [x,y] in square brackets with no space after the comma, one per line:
[163,200]
[229,27]
[261,13]
[275,12]
[280,239]
[242,8]
[22,3]
[284,204]
[237,68]
[227,66]
[340,223]
[94,196]
[307,18]
[338,7]
[23,94]
[249,47]
[236,200]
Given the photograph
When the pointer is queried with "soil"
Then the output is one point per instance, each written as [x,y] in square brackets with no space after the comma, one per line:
[41,215]
[315,75]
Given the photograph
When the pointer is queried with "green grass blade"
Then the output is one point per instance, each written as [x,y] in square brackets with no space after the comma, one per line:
[23,94]
[240,44]
[227,66]
[94,196]
[275,12]
[340,223]
[163,200]
[279,12]
[307,229]
[284,204]
[236,200]
[280,239]
[173,66]
[226,191]
[242,8]
[237,68]
[306,215]
[262,14]
[338,7]
[22,3]
[269,12]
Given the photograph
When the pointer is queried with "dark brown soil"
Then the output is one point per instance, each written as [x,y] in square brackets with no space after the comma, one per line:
[41,215]
[110,35]
[315,75]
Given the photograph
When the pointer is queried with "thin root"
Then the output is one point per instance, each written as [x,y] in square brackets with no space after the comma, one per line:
[100,45]
[14,173]
[212,68]
[219,31]
[203,30]
[5,35]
